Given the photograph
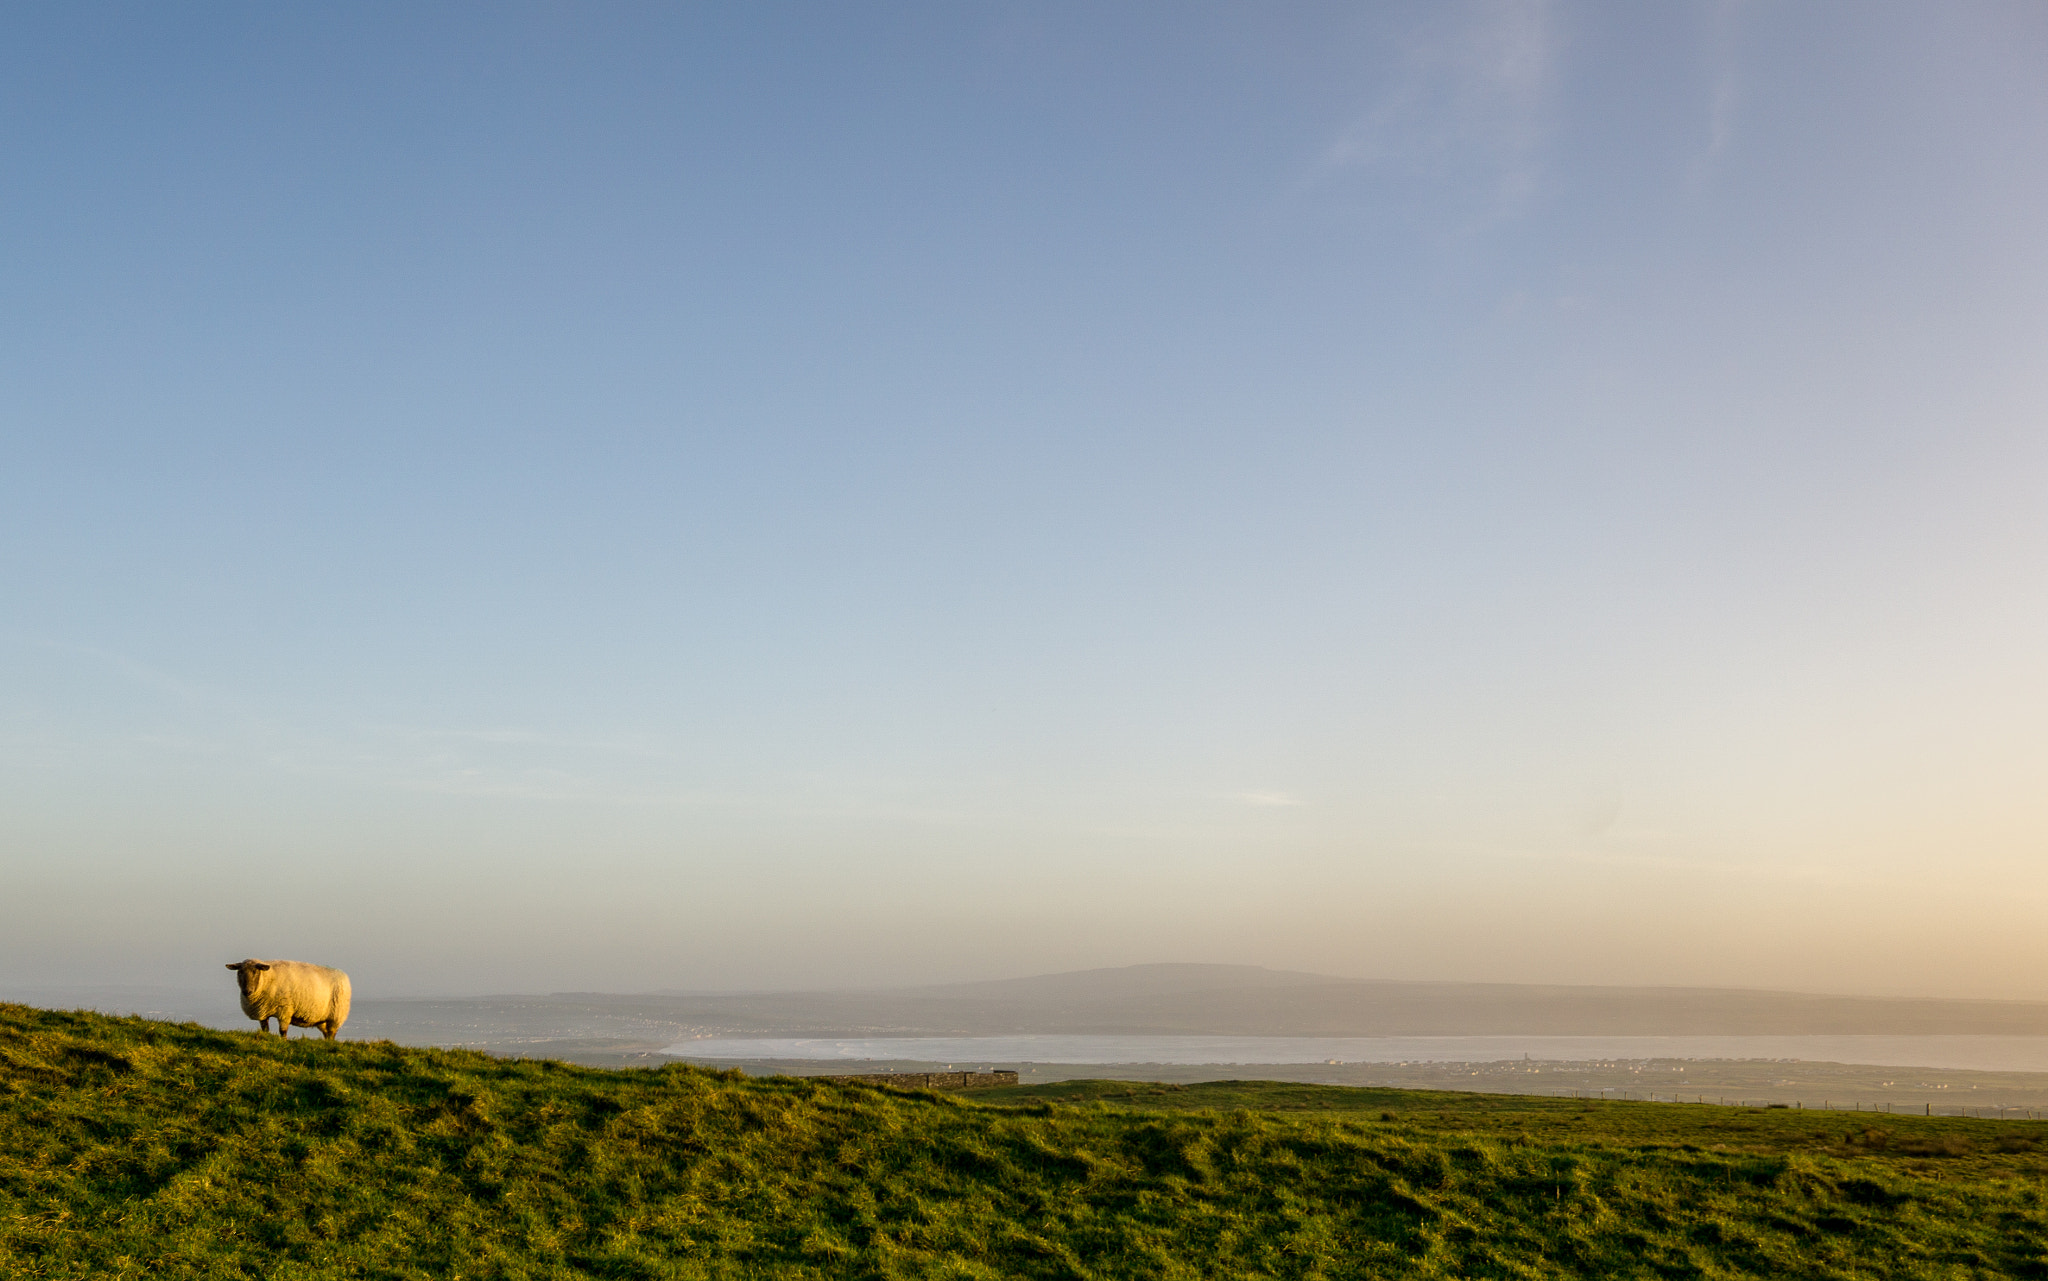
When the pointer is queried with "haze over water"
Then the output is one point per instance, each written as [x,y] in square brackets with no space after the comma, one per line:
[1980,1053]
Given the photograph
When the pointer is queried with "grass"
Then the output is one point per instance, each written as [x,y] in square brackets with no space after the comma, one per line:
[138,1148]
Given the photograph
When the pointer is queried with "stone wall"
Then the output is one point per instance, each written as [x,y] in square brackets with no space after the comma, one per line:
[930,1080]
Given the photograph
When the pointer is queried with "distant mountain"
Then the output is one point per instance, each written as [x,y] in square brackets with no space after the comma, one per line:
[1251,1001]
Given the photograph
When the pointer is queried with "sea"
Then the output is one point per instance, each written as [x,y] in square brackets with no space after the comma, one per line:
[1980,1053]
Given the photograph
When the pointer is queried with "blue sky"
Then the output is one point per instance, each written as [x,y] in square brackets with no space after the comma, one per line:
[629,497]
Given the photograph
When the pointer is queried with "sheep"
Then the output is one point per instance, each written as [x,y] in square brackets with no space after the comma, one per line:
[294,993]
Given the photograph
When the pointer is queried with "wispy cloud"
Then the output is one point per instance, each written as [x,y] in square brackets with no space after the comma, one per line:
[1266,799]
[1474,93]
[497,762]
[133,671]
[454,738]
[1724,88]
[1648,850]
[176,717]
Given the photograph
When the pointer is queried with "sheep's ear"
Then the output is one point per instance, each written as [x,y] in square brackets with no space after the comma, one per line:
[262,965]
[234,965]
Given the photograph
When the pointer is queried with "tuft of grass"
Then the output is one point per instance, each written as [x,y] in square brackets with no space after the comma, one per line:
[138,1148]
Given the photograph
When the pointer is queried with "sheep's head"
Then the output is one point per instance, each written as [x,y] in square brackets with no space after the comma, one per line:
[249,974]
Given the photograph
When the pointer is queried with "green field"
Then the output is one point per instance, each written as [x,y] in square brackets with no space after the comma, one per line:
[138,1148]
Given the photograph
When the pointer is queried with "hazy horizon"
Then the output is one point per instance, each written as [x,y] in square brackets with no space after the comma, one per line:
[625,498]
[199,982]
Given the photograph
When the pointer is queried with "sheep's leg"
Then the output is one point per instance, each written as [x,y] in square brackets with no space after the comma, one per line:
[284,1025]
[326,1029]
[263,1025]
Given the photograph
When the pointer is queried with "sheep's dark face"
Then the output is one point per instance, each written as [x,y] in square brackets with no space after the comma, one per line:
[249,975]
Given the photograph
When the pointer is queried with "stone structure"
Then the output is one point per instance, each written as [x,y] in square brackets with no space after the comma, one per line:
[930,1080]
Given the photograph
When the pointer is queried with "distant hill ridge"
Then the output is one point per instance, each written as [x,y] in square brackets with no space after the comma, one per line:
[1245,1000]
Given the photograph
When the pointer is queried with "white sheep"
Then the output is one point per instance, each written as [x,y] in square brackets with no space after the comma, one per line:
[294,993]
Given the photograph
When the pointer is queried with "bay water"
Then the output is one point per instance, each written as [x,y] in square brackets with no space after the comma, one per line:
[1980,1053]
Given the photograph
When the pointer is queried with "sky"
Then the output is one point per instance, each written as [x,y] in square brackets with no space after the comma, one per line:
[613,497]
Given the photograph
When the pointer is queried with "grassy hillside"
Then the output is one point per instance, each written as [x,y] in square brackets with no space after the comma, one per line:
[137,1148]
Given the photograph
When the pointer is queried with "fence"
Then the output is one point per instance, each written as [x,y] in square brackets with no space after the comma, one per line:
[1979,1112]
